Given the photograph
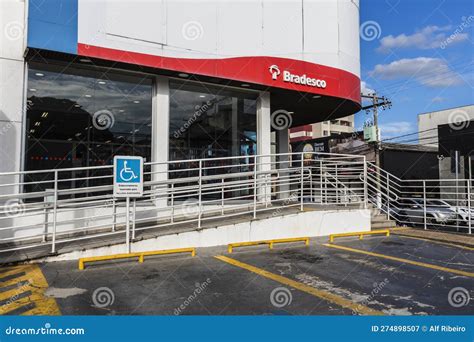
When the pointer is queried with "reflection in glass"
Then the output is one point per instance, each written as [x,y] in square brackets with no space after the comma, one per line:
[211,122]
[77,117]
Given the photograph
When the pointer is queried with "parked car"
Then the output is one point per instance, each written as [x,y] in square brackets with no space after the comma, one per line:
[437,212]
[462,212]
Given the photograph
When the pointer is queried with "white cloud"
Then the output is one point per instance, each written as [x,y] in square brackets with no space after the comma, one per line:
[393,129]
[437,99]
[365,88]
[432,72]
[430,37]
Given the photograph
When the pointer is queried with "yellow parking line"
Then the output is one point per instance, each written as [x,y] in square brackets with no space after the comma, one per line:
[35,287]
[437,242]
[406,261]
[359,308]
[13,270]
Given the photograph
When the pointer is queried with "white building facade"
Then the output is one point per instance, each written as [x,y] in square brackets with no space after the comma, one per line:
[84,80]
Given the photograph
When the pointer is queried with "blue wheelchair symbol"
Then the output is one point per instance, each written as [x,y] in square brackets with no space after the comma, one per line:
[128,171]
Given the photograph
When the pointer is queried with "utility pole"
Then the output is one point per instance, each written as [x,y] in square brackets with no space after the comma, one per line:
[377,101]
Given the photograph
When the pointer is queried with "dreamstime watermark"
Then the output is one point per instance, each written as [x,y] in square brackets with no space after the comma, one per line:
[458,297]
[103,119]
[458,120]
[21,288]
[199,288]
[200,110]
[5,128]
[370,30]
[281,297]
[9,124]
[377,288]
[465,24]
[281,119]
[192,30]
[190,207]
[103,297]
[47,329]
[13,208]
[292,198]
[14,30]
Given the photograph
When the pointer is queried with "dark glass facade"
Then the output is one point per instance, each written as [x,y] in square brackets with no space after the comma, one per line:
[79,117]
[211,122]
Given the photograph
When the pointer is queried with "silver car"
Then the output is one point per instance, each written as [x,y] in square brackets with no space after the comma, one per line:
[437,212]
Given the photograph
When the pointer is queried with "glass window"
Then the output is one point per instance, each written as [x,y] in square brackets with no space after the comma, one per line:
[210,122]
[78,117]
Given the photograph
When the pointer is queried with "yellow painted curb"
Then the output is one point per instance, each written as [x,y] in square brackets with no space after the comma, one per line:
[139,255]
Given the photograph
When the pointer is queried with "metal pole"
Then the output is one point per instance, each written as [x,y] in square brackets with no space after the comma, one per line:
[45,211]
[222,196]
[321,178]
[200,193]
[302,181]
[424,203]
[469,204]
[114,213]
[337,184]
[456,153]
[127,225]
[254,186]
[366,194]
[55,211]
[172,203]
[265,190]
[388,196]
[134,215]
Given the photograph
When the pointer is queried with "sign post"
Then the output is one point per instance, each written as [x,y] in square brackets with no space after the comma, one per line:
[128,183]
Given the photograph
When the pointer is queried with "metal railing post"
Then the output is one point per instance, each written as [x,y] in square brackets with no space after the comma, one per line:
[222,196]
[255,186]
[55,212]
[388,196]
[321,178]
[424,204]
[200,194]
[265,190]
[47,201]
[469,204]
[302,181]
[337,184]
[366,194]
[172,203]
[114,214]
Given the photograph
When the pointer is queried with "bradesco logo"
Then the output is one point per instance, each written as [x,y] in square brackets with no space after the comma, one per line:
[297,79]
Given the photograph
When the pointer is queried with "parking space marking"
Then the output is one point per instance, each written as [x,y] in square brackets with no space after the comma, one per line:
[437,242]
[22,292]
[330,297]
[406,261]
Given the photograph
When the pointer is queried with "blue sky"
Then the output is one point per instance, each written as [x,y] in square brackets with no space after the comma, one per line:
[406,56]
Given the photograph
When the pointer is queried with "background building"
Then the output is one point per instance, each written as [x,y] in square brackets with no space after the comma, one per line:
[323,129]
[428,122]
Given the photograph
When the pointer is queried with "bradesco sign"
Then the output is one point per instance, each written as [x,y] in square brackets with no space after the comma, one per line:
[128,176]
[296,79]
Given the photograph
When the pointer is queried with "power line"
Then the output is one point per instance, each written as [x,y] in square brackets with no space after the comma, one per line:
[405,135]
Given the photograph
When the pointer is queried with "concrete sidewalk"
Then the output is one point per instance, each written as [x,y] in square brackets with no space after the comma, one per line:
[451,237]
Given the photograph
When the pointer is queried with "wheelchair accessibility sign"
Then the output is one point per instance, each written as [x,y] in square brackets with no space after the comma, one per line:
[128,176]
